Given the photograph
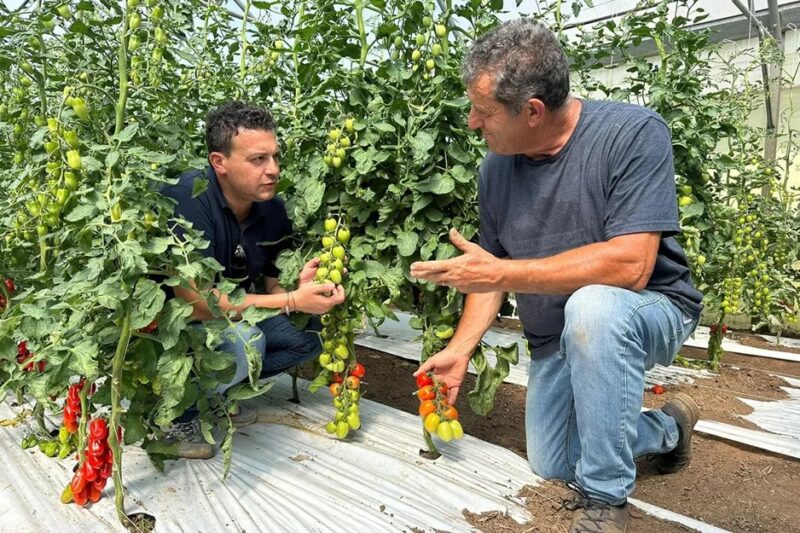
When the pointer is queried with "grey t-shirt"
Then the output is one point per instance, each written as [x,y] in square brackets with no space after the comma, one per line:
[614,176]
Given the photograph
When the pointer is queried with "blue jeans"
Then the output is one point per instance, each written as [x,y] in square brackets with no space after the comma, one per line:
[583,418]
[279,342]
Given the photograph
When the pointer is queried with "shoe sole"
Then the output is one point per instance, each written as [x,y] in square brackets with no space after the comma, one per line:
[689,404]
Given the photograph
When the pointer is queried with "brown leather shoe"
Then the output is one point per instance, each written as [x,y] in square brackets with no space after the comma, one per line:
[686,413]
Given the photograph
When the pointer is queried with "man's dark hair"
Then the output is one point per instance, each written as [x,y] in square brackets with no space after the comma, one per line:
[224,122]
[526,61]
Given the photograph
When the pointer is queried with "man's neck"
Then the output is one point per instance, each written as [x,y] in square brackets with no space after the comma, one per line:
[557,130]
[241,208]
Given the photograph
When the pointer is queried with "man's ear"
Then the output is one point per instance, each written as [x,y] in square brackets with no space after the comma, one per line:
[535,110]
[217,160]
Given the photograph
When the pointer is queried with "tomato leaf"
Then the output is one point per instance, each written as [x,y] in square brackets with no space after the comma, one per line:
[481,398]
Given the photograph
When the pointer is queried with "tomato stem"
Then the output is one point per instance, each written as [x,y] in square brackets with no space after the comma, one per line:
[116,408]
[429,442]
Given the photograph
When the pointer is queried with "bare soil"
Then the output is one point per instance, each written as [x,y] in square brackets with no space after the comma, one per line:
[727,485]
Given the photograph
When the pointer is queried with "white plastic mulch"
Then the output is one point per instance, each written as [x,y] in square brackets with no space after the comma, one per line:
[288,475]
[397,338]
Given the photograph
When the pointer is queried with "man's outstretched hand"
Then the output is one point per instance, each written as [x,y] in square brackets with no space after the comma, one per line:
[476,270]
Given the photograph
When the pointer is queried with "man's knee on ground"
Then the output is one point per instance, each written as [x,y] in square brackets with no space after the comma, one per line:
[590,312]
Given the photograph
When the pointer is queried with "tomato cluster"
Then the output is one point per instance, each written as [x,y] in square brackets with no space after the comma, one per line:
[24,357]
[72,407]
[338,353]
[428,45]
[138,37]
[90,478]
[438,415]
[63,446]
[11,288]
[339,142]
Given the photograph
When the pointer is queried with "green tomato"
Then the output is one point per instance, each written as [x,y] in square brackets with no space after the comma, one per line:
[135,21]
[350,125]
[338,265]
[342,429]
[398,42]
[322,273]
[440,30]
[354,421]
[329,224]
[458,431]
[415,55]
[74,159]
[430,64]
[327,242]
[420,39]
[445,431]
[330,427]
[338,252]
[324,359]
[341,351]
[70,181]
[64,11]
[343,236]
[335,276]
[436,50]
[444,332]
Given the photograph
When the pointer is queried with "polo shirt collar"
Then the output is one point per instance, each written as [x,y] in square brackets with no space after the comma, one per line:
[258,209]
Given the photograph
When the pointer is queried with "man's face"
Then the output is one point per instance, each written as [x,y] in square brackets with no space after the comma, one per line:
[505,133]
[251,170]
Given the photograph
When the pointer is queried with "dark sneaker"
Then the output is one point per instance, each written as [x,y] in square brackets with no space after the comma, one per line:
[686,413]
[595,516]
[188,440]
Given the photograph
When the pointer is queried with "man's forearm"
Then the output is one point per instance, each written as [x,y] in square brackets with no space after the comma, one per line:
[599,263]
[203,312]
[480,310]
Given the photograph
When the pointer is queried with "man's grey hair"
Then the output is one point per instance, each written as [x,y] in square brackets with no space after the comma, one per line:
[526,61]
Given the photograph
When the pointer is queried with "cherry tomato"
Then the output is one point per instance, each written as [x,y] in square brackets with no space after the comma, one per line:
[336,389]
[450,413]
[426,393]
[424,379]
[658,389]
[426,407]
[358,371]
[353,382]
[432,421]
[445,431]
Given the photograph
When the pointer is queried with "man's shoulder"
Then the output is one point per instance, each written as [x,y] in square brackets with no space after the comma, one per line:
[610,112]
[185,183]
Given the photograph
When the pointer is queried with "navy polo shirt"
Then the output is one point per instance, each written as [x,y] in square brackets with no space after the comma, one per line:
[263,235]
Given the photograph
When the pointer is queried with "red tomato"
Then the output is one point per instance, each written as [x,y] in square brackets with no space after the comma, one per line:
[337,378]
[658,389]
[426,393]
[358,371]
[424,379]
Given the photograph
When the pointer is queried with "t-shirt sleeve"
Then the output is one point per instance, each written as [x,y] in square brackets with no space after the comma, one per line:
[489,240]
[284,241]
[193,210]
[640,196]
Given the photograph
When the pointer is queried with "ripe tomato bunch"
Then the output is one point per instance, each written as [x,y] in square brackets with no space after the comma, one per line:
[72,407]
[24,356]
[338,354]
[11,288]
[90,478]
[439,416]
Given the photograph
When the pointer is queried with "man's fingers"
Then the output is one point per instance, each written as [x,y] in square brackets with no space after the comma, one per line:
[424,269]
[312,263]
[460,242]
[452,394]
[424,367]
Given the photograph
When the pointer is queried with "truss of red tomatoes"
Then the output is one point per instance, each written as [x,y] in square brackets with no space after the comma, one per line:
[90,477]
[11,288]
[440,418]
[24,356]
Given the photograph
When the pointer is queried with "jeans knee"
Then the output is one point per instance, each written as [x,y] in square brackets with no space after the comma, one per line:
[592,313]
